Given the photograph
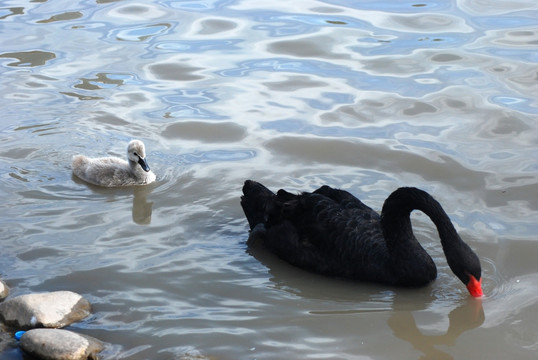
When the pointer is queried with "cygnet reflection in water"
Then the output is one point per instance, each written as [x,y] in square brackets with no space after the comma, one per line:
[142,208]
[113,171]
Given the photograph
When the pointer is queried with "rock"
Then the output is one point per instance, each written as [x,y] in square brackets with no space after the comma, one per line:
[4,290]
[57,344]
[53,310]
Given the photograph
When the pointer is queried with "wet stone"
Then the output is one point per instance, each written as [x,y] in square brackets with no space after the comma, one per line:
[57,344]
[52,310]
[4,290]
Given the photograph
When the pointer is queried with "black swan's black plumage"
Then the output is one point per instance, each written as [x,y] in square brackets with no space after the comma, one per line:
[332,232]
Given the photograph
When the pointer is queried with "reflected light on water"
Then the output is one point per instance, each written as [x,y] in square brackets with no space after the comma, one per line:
[365,96]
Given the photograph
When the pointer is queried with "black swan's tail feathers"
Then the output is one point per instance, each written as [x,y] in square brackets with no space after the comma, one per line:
[254,202]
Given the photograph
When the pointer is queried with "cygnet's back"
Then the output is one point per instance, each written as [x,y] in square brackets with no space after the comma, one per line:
[112,171]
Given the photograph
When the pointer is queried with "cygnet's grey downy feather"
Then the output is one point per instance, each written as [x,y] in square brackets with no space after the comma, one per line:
[112,171]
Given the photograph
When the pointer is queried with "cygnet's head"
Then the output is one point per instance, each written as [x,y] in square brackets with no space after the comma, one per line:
[136,153]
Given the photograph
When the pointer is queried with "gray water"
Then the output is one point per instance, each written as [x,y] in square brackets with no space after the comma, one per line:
[362,95]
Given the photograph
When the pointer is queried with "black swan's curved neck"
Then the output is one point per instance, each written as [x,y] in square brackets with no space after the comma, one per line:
[395,217]
[398,234]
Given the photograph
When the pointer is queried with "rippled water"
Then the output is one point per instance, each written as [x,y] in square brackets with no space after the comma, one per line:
[362,95]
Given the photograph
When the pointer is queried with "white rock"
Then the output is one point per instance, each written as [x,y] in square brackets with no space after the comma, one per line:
[56,344]
[4,290]
[54,309]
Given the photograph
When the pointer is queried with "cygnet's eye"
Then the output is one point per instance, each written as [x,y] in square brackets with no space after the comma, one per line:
[135,154]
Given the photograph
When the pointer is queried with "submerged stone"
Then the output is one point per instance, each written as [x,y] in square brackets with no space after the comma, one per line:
[57,344]
[6,343]
[52,310]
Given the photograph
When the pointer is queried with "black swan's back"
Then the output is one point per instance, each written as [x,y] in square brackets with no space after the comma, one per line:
[332,232]
[328,231]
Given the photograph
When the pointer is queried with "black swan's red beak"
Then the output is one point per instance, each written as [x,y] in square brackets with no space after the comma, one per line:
[475,286]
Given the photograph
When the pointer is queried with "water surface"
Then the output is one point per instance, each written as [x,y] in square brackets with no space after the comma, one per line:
[366,96]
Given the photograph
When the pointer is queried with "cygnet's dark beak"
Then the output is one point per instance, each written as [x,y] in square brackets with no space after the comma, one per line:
[143,163]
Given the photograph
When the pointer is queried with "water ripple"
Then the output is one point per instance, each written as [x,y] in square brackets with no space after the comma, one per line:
[140,33]
[365,96]
[374,132]
[29,58]
[198,46]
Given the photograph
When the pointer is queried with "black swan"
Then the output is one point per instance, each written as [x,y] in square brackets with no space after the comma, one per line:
[332,232]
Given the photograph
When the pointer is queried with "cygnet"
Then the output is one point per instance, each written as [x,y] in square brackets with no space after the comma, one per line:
[112,171]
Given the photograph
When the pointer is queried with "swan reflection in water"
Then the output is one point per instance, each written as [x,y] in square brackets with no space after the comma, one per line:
[141,208]
[352,310]
[468,315]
